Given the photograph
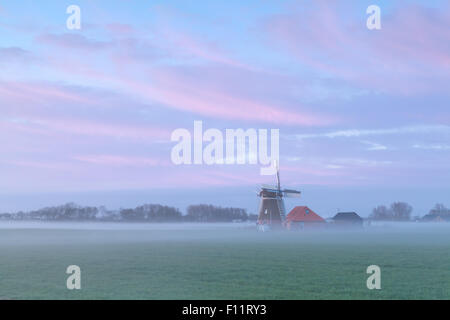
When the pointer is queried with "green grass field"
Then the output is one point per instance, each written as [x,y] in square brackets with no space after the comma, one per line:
[224,263]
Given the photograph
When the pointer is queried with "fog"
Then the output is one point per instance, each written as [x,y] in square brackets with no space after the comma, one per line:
[217,260]
[33,233]
[373,227]
[10,224]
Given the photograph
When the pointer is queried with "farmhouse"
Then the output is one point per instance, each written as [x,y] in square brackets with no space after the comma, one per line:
[303,217]
[347,219]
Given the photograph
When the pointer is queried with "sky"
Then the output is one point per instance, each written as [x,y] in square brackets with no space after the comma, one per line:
[87,115]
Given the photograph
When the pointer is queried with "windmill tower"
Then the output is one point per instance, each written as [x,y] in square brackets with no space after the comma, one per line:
[271,208]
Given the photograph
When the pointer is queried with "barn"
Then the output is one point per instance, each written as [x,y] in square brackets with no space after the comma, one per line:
[436,218]
[303,217]
[348,219]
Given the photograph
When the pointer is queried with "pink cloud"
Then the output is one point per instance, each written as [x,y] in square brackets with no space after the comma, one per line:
[121,160]
[411,47]
[120,28]
[208,97]
[189,94]
[173,88]
[73,41]
[41,165]
[19,92]
[182,42]
[52,125]
[46,109]
[14,54]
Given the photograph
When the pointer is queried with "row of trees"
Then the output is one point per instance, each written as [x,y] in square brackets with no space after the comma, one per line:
[209,213]
[401,211]
[147,212]
[151,212]
[398,211]
[69,211]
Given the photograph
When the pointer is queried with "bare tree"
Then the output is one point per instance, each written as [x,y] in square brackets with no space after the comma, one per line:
[210,213]
[401,211]
[381,213]
[440,210]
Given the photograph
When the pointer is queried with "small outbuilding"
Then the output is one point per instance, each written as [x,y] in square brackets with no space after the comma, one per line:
[348,219]
[436,218]
[301,217]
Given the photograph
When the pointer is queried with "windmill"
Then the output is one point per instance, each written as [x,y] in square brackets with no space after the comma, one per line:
[271,208]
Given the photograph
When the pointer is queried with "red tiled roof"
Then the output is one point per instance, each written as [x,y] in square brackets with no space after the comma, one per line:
[303,214]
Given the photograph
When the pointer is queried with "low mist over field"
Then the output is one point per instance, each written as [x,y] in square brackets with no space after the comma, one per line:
[222,261]
[33,232]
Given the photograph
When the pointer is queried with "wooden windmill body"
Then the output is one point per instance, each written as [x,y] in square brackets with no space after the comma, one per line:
[272,212]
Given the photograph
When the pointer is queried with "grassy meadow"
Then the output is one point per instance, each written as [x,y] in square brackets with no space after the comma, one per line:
[222,262]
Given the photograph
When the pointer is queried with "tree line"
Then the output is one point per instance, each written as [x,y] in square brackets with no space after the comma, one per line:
[397,211]
[143,213]
[401,211]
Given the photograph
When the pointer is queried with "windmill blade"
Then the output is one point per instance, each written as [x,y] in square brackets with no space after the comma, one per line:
[292,195]
[288,193]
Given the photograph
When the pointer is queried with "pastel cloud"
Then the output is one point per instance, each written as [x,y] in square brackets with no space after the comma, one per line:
[73,41]
[90,128]
[120,28]
[12,54]
[16,94]
[432,147]
[374,146]
[120,161]
[419,129]
[411,47]
[187,93]
[139,67]
[104,98]
[182,43]
[193,89]
[63,110]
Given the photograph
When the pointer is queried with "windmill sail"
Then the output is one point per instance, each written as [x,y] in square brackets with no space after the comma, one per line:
[288,193]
